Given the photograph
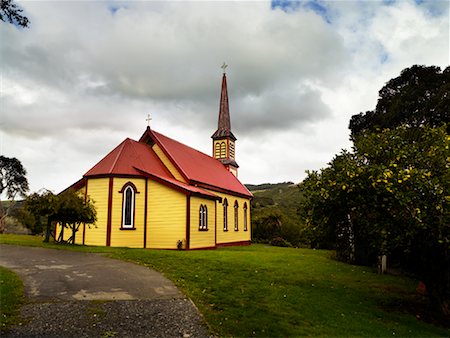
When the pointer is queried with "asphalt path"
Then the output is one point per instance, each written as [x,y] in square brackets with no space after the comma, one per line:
[59,278]
[69,275]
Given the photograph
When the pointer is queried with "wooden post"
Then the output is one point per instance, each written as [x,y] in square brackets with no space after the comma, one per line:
[382,264]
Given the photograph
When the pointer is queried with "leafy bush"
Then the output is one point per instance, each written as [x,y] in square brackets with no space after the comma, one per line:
[279,241]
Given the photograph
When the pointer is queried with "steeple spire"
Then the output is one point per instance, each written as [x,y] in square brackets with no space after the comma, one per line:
[224,125]
[223,138]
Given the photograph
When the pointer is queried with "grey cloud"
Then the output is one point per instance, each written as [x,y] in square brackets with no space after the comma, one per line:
[165,58]
[282,110]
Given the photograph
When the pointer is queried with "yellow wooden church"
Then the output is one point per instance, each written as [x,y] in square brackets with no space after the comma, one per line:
[160,193]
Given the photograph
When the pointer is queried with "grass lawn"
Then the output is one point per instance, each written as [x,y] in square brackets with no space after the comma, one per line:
[11,298]
[269,291]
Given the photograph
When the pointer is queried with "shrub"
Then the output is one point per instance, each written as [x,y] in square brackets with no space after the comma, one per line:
[279,241]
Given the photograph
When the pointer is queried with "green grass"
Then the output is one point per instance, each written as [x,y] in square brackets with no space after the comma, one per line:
[269,291]
[11,298]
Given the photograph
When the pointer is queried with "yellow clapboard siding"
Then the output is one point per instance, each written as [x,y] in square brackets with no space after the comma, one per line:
[128,238]
[231,235]
[169,165]
[166,217]
[97,191]
[66,234]
[202,239]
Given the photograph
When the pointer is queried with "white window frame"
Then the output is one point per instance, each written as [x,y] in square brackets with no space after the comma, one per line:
[124,203]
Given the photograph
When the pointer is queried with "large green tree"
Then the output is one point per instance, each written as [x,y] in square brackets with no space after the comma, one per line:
[13,183]
[419,96]
[389,196]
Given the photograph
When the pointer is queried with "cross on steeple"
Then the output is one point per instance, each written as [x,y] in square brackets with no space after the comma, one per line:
[148,119]
[224,66]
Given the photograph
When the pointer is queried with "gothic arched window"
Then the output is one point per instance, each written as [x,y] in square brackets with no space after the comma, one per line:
[236,216]
[245,216]
[225,215]
[128,192]
[203,218]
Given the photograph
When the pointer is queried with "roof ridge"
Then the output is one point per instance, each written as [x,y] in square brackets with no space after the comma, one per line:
[119,153]
[185,145]
[157,157]
[171,157]
[135,152]
[182,185]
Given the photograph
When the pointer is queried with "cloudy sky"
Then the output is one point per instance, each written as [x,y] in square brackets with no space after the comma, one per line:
[85,75]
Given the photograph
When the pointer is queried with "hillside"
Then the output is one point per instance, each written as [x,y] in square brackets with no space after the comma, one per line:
[274,212]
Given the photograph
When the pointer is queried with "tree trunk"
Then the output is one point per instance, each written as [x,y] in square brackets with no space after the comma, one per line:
[74,231]
[47,230]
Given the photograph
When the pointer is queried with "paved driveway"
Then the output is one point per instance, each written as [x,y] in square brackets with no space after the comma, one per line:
[62,285]
[67,275]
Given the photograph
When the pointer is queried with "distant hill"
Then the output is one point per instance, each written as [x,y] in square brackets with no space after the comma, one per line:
[275,212]
[267,186]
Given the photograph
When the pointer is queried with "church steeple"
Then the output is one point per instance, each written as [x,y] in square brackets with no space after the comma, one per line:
[223,138]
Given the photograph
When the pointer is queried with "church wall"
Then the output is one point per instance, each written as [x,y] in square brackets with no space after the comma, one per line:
[166,217]
[165,160]
[68,233]
[128,238]
[231,235]
[97,190]
[202,238]
[79,235]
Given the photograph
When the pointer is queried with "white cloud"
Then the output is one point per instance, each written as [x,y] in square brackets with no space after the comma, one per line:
[85,75]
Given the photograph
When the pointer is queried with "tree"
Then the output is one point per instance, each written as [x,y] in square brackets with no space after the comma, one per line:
[10,12]
[389,196]
[267,226]
[13,183]
[68,208]
[43,207]
[72,210]
[419,96]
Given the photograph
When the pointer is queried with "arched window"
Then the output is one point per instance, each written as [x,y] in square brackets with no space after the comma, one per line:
[236,216]
[245,216]
[225,215]
[203,218]
[223,150]
[128,192]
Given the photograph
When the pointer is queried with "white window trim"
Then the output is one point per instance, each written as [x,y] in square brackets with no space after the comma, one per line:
[132,207]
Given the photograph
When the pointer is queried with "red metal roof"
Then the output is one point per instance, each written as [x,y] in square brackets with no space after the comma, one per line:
[198,167]
[138,159]
[126,157]
[182,186]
